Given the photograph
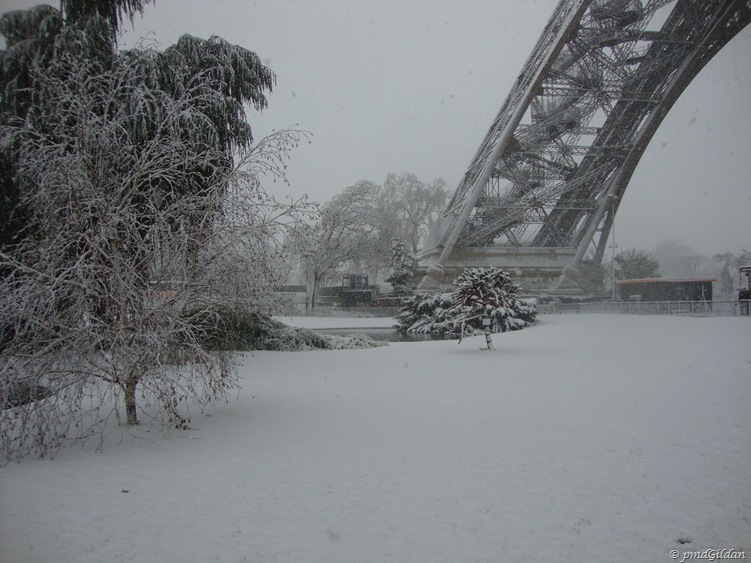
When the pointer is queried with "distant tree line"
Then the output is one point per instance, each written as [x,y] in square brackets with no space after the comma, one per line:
[369,228]
[670,258]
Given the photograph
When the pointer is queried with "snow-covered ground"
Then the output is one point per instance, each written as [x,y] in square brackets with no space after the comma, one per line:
[338,322]
[585,438]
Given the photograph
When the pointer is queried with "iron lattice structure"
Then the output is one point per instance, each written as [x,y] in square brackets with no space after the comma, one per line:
[558,157]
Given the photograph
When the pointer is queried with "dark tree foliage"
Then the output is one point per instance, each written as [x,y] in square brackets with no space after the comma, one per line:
[43,48]
[480,292]
[636,264]
[113,11]
[133,218]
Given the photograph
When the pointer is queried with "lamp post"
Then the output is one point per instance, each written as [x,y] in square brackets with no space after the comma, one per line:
[306,257]
[613,245]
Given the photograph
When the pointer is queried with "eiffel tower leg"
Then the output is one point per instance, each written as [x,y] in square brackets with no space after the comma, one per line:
[599,82]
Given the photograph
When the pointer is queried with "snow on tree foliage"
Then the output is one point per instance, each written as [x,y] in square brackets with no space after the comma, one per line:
[357,230]
[485,294]
[403,266]
[428,314]
[138,222]
[479,293]
[264,333]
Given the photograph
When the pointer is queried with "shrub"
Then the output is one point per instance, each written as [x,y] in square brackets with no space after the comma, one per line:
[229,331]
[480,292]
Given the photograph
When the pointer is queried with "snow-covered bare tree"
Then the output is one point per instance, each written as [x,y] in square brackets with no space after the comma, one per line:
[358,227]
[144,224]
[679,260]
[344,234]
[412,205]
[728,274]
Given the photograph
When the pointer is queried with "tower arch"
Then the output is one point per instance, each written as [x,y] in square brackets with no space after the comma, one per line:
[544,186]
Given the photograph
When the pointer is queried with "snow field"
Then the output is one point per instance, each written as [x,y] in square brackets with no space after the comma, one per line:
[583,438]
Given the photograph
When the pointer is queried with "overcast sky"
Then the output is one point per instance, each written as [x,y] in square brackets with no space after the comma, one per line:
[393,86]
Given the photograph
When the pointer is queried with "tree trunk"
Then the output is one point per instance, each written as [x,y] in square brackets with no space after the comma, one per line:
[130,400]
[487,331]
[489,340]
[314,295]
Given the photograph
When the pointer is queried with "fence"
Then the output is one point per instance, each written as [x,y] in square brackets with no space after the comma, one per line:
[349,312]
[696,308]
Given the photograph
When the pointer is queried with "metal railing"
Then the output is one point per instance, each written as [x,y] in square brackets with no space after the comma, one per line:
[349,312]
[696,308]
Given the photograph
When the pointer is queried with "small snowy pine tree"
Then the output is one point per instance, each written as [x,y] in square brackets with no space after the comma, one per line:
[440,315]
[488,294]
[403,266]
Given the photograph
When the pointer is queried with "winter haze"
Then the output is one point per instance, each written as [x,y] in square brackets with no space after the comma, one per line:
[388,86]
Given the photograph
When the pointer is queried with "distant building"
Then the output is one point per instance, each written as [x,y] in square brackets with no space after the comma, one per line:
[744,293]
[292,294]
[356,291]
[666,289]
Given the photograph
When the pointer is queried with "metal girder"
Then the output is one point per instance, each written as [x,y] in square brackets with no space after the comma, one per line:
[565,143]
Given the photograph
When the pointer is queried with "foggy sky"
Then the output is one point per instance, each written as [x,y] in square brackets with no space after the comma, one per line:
[392,86]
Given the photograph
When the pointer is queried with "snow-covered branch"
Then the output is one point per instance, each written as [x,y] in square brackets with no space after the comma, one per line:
[146,231]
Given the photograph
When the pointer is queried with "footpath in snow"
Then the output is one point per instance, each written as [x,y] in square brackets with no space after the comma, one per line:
[585,438]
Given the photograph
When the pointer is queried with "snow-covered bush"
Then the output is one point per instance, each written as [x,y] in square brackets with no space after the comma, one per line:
[480,292]
[428,314]
[260,332]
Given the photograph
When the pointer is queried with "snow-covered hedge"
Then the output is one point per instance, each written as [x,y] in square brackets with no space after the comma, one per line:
[259,332]
[293,339]
[480,292]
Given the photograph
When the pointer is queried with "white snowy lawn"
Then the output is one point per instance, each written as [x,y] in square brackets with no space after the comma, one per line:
[585,439]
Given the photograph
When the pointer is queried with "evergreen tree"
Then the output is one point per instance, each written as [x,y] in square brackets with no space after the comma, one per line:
[480,293]
[486,293]
[403,266]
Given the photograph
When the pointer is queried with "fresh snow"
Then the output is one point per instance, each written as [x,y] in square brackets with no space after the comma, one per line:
[338,322]
[584,438]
